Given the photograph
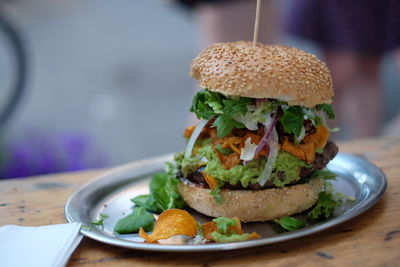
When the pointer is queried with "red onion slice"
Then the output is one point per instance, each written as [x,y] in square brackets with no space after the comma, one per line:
[269,126]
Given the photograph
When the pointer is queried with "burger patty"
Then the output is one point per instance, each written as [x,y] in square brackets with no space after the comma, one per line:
[321,160]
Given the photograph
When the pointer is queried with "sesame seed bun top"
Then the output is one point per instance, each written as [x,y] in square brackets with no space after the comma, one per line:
[264,71]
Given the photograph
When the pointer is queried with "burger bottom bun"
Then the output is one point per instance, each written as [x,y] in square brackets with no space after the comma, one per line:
[251,205]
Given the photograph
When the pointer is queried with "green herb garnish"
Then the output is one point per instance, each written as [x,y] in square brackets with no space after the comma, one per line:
[100,221]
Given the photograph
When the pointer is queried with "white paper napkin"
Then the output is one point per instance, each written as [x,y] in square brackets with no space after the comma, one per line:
[43,246]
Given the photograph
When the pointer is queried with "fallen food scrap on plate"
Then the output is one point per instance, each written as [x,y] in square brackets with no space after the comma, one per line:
[180,228]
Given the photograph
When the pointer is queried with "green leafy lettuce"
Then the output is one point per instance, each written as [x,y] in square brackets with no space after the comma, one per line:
[163,192]
[233,112]
[290,223]
[292,120]
[293,117]
[134,221]
[327,201]
[208,104]
[327,108]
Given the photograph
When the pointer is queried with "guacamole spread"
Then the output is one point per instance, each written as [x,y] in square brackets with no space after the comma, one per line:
[287,165]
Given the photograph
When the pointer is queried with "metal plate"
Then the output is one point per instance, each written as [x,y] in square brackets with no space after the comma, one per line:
[111,192]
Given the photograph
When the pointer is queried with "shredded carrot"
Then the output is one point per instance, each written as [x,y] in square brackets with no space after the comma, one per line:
[228,161]
[189,130]
[211,181]
[324,133]
[234,148]
[292,149]
[304,152]
[309,150]
[319,138]
[234,139]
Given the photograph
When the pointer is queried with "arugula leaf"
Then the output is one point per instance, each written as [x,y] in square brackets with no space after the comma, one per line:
[327,108]
[140,201]
[208,104]
[290,223]
[223,223]
[215,100]
[225,124]
[148,202]
[200,105]
[325,206]
[132,223]
[175,199]
[292,120]
[233,107]
[164,191]
[100,221]
[324,174]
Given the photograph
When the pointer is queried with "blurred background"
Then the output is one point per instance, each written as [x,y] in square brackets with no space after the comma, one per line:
[96,83]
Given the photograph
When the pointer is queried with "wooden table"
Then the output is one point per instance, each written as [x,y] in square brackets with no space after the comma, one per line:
[371,239]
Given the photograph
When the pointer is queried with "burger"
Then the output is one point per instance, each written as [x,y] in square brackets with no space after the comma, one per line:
[260,148]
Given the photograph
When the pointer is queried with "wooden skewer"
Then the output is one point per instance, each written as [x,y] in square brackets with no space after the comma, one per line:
[256,23]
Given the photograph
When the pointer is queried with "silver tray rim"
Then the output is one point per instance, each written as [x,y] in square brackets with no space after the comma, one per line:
[72,213]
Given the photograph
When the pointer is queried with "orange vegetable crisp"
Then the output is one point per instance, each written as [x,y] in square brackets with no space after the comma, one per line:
[170,223]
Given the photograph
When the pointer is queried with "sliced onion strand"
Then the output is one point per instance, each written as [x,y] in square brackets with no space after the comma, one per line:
[273,144]
[195,134]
